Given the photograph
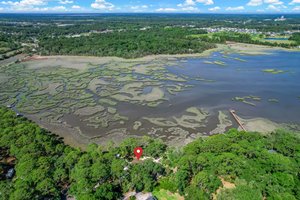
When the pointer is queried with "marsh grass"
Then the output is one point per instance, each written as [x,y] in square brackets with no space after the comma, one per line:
[221,63]
[273,100]
[88,90]
[247,99]
[208,62]
[203,79]
[274,71]
[239,59]
[108,102]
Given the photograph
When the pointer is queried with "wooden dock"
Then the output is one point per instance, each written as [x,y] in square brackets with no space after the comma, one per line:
[237,119]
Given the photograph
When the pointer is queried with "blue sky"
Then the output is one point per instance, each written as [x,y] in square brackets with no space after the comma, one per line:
[155,6]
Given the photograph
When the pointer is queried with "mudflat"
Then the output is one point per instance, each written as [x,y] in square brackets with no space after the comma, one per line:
[173,97]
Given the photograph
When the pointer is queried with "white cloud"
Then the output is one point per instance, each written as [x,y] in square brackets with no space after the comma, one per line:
[102,5]
[215,8]
[188,3]
[272,7]
[297,8]
[40,9]
[25,3]
[276,7]
[65,2]
[294,2]
[235,8]
[30,5]
[260,2]
[255,3]
[76,7]
[205,2]
[166,10]
[34,6]
[139,7]
[274,2]
[190,8]
[55,8]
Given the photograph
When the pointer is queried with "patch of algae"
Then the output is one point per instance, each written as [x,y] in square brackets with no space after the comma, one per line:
[208,62]
[247,99]
[137,125]
[273,100]
[239,59]
[274,71]
[133,92]
[161,122]
[91,88]
[174,89]
[221,63]
[86,111]
[224,122]
[104,119]
[107,101]
[194,118]
[95,83]
[192,121]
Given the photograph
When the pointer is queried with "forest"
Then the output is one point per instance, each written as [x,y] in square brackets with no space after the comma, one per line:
[222,37]
[259,166]
[132,35]
[295,37]
[129,44]
[8,46]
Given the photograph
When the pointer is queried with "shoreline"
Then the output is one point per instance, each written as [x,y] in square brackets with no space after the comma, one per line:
[232,47]
[74,137]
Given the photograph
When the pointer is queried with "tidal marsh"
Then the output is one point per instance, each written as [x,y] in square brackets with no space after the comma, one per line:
[103,99]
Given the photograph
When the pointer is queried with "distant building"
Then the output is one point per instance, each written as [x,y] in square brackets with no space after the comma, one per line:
[126,168]
[140,196]
[10,173]
[280,19]
[145,196]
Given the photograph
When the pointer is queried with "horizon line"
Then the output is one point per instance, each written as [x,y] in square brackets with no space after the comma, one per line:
[195,13]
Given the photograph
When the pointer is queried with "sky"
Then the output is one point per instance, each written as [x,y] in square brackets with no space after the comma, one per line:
[150,6]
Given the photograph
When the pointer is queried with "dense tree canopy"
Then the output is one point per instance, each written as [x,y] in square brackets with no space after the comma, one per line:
[259,166]
[127,44]
[295,37]
[132,35]
[222,37]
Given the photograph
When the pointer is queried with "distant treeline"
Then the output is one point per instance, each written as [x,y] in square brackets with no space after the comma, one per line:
[46,24]
[295,37]
[8,46]
[129,35]
[222,37]
[127,44]
[259,166]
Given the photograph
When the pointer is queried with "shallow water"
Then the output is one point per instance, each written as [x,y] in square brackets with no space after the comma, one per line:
[238,78]
[280,39]
[243,79]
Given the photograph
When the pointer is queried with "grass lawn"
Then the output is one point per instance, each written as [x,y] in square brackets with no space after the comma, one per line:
[166,195]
